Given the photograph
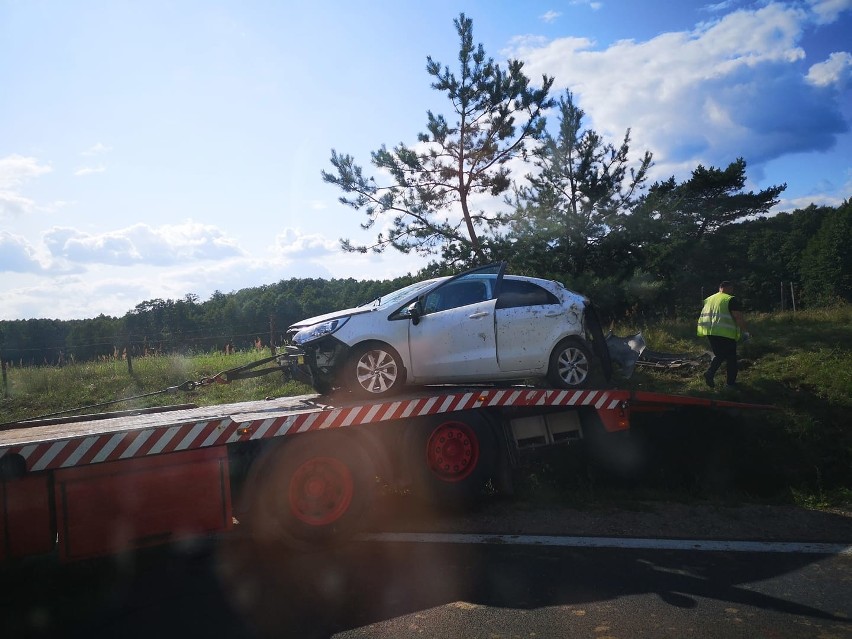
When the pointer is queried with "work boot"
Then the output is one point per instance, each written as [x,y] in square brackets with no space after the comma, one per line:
[709,379]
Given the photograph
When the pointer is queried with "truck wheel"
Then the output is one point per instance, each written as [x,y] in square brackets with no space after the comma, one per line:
[313,489]
[373,370]
[453,457]
[570,364]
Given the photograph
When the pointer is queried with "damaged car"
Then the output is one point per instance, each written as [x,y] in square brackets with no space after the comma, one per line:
[481,326]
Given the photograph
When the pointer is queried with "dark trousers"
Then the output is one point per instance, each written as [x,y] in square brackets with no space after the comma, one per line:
[724,350]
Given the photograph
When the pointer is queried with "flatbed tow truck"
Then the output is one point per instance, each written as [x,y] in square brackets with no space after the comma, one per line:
[303,469]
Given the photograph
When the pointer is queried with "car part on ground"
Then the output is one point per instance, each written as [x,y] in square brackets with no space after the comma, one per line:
[625,351]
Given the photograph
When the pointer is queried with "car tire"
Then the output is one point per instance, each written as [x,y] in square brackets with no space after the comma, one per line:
[570,364]
[373,370]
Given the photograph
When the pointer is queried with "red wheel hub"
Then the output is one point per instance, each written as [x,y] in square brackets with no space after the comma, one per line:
[452,451]
[321,491]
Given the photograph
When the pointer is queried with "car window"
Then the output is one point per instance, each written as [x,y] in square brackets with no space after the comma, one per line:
[514,293]
[400,295]
[460,292]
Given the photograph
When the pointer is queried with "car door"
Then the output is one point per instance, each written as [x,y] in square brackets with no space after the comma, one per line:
[529,318]
[454,338]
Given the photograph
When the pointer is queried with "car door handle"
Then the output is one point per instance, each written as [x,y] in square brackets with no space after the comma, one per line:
[478,315]
[553,314]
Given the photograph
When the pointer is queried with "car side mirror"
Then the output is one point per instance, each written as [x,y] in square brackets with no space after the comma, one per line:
[414,312]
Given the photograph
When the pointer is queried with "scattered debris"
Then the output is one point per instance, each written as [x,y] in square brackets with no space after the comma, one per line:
[671,361]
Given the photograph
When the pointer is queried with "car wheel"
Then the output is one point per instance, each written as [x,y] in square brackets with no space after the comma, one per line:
[374,370]
[570,364]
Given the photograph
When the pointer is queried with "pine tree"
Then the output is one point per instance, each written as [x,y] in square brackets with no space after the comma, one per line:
[431,197]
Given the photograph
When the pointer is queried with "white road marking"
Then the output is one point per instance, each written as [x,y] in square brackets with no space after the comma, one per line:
[614,542]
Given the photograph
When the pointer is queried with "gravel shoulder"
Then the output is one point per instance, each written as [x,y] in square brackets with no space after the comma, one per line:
[642,519]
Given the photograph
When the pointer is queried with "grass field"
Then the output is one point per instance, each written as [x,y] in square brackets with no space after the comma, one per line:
[799,362]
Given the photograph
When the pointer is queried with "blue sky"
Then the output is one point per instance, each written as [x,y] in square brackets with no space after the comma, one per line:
[154,149]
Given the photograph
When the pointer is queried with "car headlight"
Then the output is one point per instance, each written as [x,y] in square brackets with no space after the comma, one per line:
[313,333]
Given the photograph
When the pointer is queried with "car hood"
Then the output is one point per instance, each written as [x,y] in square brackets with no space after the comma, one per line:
[348,312]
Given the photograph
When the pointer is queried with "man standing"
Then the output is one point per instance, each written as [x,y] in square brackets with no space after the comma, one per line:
[721,320]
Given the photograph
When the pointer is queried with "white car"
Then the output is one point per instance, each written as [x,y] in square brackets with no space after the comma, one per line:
[479,326]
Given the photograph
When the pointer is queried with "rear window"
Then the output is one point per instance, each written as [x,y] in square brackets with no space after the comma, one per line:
[515,293]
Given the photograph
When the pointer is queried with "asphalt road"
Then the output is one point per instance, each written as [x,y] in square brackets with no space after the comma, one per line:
[228,587]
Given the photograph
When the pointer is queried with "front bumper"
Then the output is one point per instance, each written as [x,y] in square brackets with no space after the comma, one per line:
[294,362]
[318,363]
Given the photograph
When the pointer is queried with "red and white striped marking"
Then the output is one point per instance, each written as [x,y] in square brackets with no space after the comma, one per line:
[140,442]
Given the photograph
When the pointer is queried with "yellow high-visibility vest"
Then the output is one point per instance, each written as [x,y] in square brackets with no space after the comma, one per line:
[716,319]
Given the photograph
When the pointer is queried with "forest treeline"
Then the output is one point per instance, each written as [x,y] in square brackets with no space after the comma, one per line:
[804,256]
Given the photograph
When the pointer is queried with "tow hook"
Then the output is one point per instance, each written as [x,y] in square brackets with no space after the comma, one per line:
[292,362]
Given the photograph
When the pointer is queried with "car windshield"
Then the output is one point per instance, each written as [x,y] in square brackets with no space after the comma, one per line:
[402,294]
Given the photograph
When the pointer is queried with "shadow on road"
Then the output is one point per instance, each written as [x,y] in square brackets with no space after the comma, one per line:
[365,583]
[234,587]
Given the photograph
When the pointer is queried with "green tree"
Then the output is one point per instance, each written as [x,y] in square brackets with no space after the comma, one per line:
[92,338]
[671,224]
[763,255]
[709,200]
[497,113]
[582,187]
[827,259]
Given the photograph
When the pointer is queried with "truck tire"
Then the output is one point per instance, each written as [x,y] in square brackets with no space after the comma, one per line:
[570,364]
[373,370]
[452,456]
[311,490]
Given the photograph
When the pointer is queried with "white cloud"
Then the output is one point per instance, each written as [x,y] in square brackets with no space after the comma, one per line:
[592,4]
[803,202]
[78,296]
[293,244]
[14,204]
[15,170]
[102,285]
[836,70]
[142,244]
[17,255]
[312,255]
[88,170]
[733,86]
[827,11]
[719,6]
[97,149]
[550,16]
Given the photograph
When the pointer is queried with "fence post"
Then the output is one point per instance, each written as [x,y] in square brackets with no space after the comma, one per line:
[127,349]
[793,296]
[5,380]
[272,333]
